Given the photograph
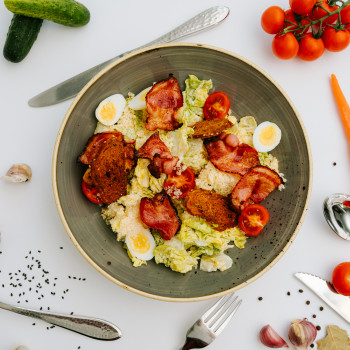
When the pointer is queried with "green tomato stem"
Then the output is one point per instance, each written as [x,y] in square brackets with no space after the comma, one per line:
[294,27]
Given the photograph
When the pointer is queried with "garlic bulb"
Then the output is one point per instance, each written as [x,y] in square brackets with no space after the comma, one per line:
[269,337]
[18,173]
[302,333]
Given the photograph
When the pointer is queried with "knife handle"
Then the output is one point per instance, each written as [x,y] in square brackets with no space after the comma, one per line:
[70,87]
[204,20]
[91,327]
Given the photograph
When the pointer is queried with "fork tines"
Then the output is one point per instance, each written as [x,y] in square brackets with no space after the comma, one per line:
[220,314]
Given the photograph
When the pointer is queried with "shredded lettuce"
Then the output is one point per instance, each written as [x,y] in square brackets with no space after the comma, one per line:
[198,235]
[195,94]
[220,262]
[173,255]
[143,182]
[196,155]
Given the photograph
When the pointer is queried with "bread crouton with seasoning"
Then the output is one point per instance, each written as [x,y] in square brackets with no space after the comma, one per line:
[108,172]
[210,128]
[212,207]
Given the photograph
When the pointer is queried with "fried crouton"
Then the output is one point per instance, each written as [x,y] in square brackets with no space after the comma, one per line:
[212,207]
[210,128]
[108,172]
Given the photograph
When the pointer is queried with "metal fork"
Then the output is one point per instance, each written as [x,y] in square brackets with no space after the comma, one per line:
[212,323]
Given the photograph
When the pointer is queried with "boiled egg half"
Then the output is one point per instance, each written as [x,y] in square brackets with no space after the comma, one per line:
[110,109]
[266,137]
[141,244]
[139,101]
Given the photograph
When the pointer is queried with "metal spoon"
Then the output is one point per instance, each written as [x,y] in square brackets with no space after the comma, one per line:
[337,214]
[91,327]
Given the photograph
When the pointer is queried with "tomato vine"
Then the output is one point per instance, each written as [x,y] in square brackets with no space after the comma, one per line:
[308,28]
[299,29]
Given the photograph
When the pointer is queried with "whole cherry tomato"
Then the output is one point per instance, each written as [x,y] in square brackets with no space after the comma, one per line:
[272,20]
[302,7]
[335,40]
[291,22]
[178,185]
[91,193]
[322,9]
[345,16]
[285,46]
[216,105]
[341,278]
[253,219]
[310,48]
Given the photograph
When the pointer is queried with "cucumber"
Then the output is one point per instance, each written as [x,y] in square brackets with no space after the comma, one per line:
[21,36]
[67,12]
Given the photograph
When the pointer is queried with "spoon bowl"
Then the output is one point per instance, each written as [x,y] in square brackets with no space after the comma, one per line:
[336,211]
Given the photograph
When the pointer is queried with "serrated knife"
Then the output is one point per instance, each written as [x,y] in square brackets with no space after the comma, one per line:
[69,88]
[324,290]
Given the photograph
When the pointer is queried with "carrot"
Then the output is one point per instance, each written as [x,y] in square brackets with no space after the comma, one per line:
[342,104]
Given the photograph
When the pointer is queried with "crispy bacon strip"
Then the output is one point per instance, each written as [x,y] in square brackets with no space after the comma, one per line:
[159,213]
[254,186]
[228,156]
[163,102]
[154,145]
[213,207]
[158,153]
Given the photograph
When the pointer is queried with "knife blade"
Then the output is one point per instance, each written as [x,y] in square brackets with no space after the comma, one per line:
[323,289]
[70,87]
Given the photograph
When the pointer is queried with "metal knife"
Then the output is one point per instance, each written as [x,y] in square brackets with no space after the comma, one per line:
[69,88]
[324,290]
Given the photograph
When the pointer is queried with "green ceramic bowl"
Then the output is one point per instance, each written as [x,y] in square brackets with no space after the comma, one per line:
[252,92]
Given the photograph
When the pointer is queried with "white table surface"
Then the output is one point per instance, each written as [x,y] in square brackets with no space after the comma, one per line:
[29,222]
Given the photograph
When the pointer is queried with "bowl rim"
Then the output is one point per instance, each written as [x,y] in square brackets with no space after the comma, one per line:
[70,233]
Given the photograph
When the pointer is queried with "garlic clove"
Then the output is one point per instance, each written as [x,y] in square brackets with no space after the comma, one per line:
[270,338]
[21,347]
[18,173]
[302,333]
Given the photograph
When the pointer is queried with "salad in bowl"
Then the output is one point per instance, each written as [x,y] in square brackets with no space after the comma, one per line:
[178,177]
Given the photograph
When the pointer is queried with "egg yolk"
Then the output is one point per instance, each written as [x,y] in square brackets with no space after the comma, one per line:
[143,95]
[108,112]
[140,243]
[268,136]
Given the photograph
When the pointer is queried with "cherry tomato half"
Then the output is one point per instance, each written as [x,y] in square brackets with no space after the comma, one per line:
[302,7]
[178,185]
[285,46]
[341,278]
[335,40]
[91,193]
[216,105]
[253,219]
[272,19]
[310,48]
